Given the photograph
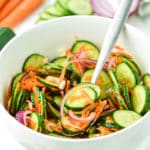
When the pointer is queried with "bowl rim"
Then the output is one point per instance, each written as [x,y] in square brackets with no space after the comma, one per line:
[4,113]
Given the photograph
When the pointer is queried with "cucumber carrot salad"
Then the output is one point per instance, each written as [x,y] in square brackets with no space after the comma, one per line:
[55,96]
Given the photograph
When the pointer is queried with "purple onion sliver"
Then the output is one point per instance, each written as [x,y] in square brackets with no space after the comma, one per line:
[22,116]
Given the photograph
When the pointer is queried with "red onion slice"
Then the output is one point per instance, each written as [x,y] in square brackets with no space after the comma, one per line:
[134,7]
[22,116]
[104,8]
[90,118]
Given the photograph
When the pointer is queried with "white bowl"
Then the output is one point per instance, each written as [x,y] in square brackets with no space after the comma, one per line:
[47,38]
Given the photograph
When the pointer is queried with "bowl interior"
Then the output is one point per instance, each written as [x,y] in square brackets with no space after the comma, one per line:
[54,36]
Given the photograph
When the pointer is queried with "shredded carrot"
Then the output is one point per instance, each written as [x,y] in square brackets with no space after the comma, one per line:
[105,131]
[58,127]
[100,108]
[87,109]
[67,86]
[62,75]
[117,52]
[30,68]
[29,84]
[24,9]
[32,125]
[118,47]
[109,119]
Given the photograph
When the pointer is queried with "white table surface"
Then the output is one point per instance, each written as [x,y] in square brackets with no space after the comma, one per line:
[6,140]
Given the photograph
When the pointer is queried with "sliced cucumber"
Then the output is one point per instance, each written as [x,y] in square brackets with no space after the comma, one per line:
[34,60]
[140,99]
[24,106]
[127,96]
[119,97]
[51,81]
[125,118]
[57,101]
[43,103]
[126,75]
[35,121]
[40,20]
[52,110]
[45,16]
[15,98]
[103,81]
[68,125]
[53,10]
[146,80]
[63,4]
[80,97]
[131,63]
[97,89]
[60,61]
[80,7]
[18,98]
[32,99]
[110,125]
[114,79]
[90,49]
[16,79]
[51,65]
[61,9]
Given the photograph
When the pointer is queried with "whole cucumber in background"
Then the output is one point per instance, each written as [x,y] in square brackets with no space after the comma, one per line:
[6,34]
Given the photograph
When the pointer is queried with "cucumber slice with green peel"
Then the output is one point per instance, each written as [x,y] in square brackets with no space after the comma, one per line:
[52,81]
[80,7]
[131,63]
[18,99]
[63,11]
[89,48]
[40,20]
[52,110]
[127,96]
[110,125]
[46,16]
[114,79]
[126,75]
[125,118]
[63,4]
[24,106]
[15,98]
[35,121]
[103,81]
[51,65]
[60,61]
[68,125]
[80,97]
[140,99]
[119,97]
[53,10]
[17,78]
[57,101]
[146,80]
[97,89]
[43,103]
[34,60]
